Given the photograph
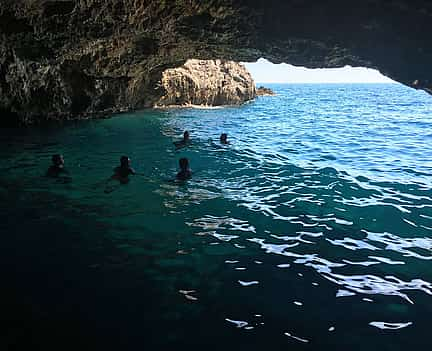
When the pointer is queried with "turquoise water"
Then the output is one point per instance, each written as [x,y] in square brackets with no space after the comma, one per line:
[311,230]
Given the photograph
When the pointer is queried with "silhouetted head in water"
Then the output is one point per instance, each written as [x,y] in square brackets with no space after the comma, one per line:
[57,160]
[224,138]
[122,172]
[186,136]
[184,163]
[185,172]
[125,161]
[57,166]
[184,142]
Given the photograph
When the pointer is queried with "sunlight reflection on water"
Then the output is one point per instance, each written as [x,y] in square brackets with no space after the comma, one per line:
[322,203]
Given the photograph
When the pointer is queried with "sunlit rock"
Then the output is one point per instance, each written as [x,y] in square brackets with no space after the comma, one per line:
[263,91]
[208,83]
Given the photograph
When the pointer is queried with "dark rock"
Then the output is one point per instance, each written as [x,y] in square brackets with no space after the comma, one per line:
[208,83]
[263,91]
[72,59]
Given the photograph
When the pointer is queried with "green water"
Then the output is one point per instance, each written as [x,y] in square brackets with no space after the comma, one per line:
[311,230]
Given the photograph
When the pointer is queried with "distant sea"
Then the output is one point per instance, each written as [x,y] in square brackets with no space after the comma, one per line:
[311,230]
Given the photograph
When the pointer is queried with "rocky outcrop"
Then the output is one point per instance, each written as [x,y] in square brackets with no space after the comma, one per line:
[75,58]
[263,91]
[208,83]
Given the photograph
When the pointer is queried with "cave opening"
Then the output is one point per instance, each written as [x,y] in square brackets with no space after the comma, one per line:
[219,82]
[264,72]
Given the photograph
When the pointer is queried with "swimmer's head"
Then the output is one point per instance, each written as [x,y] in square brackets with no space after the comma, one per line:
[184,163]
[186,135]
[57,160]
[224,138]
[125,161]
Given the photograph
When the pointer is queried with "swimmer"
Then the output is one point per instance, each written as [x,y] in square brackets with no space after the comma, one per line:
[185,172]
[57,168]
[122,172]
[184,142]
[224,138]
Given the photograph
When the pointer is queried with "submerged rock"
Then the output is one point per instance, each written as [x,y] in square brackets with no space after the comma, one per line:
[263,91]
[208,83]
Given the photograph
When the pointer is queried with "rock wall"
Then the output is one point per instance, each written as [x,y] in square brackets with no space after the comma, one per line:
[207,82]
[76,58]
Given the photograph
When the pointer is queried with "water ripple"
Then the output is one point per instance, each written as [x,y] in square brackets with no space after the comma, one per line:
[391,326]
[373,285]
[322,200]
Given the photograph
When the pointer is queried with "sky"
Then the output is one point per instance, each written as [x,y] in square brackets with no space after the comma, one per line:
[264,71]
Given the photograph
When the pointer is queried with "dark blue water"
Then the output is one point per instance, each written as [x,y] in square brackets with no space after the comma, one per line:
[312,230]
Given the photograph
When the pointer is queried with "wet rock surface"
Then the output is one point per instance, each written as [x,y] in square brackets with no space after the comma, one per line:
[263,91]
[74,59]
[208,83]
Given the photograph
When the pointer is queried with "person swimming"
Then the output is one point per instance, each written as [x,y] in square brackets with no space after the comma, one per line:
[184,142]
[122,172]
[224,138]
[57,168]
[185,172]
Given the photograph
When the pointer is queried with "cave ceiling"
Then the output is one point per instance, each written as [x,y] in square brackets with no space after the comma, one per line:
[68,59]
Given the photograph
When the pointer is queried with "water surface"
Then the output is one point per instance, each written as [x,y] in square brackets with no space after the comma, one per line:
[311,230]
